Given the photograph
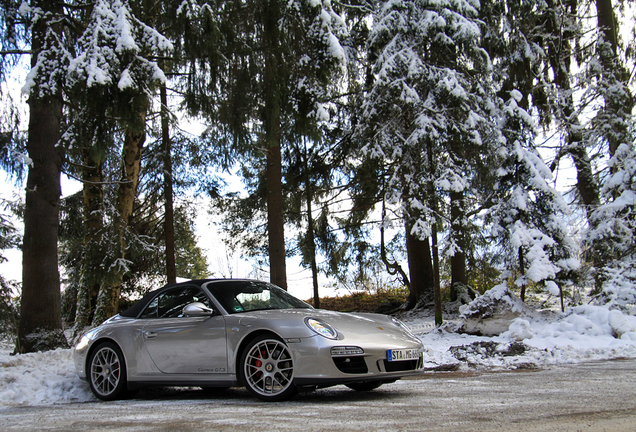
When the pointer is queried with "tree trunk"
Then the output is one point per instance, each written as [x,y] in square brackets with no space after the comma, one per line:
[93,223]
[275,216]
[271,122]
[171,268]
[108,300]
[312,249]
[437,293]
[311,239]
[458,260]
[522,271]
[619,102]
[422,288]
[394,268]
[560,54]
[40,303]
[433,203]
[607,23]
[586,182]
[40,326]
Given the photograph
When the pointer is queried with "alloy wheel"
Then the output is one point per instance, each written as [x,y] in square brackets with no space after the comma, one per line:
[268,369]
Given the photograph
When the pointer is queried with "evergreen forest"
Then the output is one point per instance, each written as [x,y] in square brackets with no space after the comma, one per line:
[439,146]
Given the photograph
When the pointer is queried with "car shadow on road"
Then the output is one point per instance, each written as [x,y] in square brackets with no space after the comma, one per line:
[331,395]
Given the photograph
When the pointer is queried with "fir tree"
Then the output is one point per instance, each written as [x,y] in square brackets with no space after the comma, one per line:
[267,83]
[43,29]
[612,235]
[425,111]
[112,65]
[528,214]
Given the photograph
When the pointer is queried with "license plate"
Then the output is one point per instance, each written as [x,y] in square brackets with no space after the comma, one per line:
[403,354]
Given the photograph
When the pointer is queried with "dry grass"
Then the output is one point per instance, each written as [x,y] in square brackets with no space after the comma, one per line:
[383,301]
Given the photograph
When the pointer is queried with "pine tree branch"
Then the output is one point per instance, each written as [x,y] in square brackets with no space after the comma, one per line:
[15,52]
[71,176]
[85,6]
[363,8]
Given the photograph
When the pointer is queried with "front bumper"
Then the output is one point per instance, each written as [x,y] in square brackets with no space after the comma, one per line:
[79,360]
[315,364]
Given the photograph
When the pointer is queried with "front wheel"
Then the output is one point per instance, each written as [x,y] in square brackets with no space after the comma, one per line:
[107,372]
[268,369]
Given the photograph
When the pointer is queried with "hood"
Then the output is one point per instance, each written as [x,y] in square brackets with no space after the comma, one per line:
[351,327]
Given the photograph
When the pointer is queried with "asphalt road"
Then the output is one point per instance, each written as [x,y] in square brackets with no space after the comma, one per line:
[598,396]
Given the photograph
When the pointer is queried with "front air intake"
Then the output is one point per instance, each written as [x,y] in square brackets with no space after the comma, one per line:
[351,365]
[401,366]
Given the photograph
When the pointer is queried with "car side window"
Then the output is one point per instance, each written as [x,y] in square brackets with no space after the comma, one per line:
[170,303]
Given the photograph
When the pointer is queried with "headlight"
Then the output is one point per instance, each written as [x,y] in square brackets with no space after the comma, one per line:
[322,328]
[85,340]
[82,344]
[401,325]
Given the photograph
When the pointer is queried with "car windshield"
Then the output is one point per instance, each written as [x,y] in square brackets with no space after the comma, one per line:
[246,296]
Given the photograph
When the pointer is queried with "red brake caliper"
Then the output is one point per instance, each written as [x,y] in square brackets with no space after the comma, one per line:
[259,363]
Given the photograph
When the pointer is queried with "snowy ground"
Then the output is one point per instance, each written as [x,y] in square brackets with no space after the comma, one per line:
[585,333]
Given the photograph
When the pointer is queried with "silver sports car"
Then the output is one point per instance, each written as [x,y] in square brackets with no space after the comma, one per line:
[225,333]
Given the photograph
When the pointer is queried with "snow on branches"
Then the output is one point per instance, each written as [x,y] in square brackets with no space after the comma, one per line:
[613,231]
[528,213]
[116,48]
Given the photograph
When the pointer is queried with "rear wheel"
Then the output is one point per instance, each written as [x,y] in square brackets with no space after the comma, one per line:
[365,385]
[107,372]
[267,369]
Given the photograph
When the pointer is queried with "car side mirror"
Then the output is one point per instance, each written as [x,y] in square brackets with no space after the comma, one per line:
[197,309]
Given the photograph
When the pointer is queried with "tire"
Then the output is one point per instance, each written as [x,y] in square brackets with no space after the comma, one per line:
[364,386]
[107,372]
[267,369]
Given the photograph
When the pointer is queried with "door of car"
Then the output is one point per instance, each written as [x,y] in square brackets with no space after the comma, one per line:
[180,344]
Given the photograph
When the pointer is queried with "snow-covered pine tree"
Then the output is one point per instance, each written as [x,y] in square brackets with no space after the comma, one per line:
[558,33]
[113,77]
[311,155]
[610,132]
[426,112]
[40,28]
[528,214]
[607,77]
[613,232]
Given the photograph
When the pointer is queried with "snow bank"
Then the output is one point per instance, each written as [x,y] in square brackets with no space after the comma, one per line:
[584,333]
[492,313]
[40,379]
[583,327]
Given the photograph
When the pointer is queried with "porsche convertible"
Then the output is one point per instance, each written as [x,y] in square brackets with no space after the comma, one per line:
[226,333]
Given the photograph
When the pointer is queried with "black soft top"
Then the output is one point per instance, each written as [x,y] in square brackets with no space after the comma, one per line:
[135,310]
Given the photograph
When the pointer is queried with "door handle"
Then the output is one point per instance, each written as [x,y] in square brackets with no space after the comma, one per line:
[150,334]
